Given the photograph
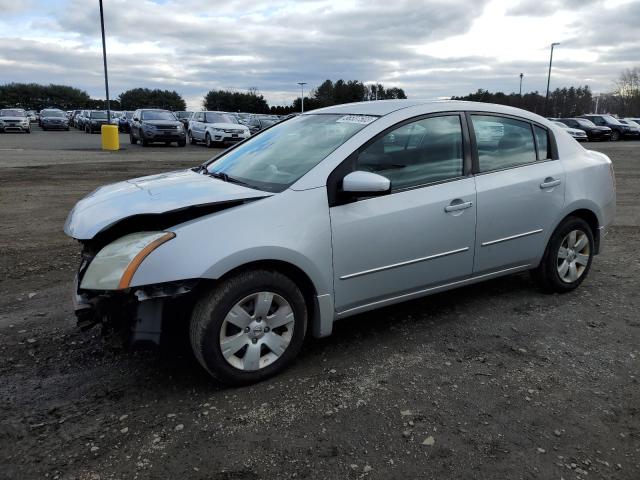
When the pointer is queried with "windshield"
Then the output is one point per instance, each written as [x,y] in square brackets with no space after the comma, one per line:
[276,158]
[183,114]
[12,113]
[612,120]
[52,113]
[100,115]
[212,117]
[157,115]
[267,122]
[560,124]
[585,123]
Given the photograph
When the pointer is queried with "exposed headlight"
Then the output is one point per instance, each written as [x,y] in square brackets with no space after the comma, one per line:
[179,127]
[114,266]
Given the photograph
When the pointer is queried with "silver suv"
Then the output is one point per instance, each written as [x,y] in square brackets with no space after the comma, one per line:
[336,212]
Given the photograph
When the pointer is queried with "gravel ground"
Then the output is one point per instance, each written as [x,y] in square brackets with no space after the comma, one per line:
[495,381]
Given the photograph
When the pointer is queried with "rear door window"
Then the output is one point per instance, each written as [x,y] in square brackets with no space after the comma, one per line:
[503,142]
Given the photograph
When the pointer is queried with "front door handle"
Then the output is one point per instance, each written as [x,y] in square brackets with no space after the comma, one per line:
[457,205]
[550,182]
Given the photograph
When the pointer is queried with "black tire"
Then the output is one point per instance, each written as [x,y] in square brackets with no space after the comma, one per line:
[29,131]
[167,143]
[67,129]
[144,141]
[209,314]
[207,140]
[615,136]
[133,140]
[182,143]
[192,140]
[546,274]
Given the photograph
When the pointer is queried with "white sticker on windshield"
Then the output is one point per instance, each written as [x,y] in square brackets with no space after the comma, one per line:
[360,119]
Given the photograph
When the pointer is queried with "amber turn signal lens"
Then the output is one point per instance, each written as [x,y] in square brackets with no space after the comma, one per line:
[125,280]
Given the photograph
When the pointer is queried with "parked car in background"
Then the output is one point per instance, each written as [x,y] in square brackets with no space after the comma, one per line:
[184,117]
[243,118]
[123,122]
[216,128]
[260,122]
[81,119]
[73,117]
[95,120]
[53,119]
[593,131]
[14,120]
[32,116]
[115,118]
[333,213]
[576,133]
[635,126]
[618,130]
[156,125]
[633,119]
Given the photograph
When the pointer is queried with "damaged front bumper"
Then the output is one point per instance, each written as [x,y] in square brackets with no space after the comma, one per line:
[136,313]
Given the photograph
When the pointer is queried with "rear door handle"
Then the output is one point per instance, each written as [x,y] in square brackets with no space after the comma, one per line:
[550,182]
[457,205]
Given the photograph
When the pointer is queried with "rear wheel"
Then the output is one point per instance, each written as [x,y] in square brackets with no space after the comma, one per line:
[250,327]
[567,259]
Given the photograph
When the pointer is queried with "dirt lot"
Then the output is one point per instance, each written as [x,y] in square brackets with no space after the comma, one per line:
[493,381]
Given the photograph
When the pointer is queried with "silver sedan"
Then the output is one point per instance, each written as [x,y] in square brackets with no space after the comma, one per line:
[333,213]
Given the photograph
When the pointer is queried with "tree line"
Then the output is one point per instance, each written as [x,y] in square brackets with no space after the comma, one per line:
[563,102]
[624,100]
[32,96]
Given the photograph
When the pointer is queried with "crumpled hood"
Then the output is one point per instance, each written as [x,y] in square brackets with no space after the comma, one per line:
[155,194]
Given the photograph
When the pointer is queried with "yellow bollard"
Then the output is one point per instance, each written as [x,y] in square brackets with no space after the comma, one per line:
[110,137]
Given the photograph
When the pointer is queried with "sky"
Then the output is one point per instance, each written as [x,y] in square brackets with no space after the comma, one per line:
[430,48]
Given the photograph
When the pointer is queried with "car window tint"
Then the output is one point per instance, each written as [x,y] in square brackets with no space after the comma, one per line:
[502,142]
[542,140]
[417,153]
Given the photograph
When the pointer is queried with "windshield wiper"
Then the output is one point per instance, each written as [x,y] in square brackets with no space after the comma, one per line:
[226,178]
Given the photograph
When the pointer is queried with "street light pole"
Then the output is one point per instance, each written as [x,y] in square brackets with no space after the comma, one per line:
[521,75]
[302,84]
[546,99]
[104,58]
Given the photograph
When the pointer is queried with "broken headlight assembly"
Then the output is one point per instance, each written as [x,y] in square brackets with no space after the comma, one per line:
[115,264]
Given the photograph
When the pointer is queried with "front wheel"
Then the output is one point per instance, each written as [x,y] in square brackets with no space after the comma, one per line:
[249,327]
[133,140]
[615,136]
[192,140]
[182,143]
[567,259]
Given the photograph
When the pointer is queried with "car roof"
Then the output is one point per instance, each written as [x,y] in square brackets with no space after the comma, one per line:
[386,107]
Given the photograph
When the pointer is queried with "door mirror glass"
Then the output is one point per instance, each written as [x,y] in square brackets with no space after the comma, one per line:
[366,183]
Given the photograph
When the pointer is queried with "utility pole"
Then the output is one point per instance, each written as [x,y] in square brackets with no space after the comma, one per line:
[104,59]
[302,84]
[521,75]
[546,99]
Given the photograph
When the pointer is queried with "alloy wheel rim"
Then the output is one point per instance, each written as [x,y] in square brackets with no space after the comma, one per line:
[573,256]
[256,331]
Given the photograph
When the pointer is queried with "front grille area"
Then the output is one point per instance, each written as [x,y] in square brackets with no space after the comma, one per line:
[167,127]
[233,130]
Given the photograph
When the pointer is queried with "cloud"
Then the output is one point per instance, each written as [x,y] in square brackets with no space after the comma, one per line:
[193,46]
